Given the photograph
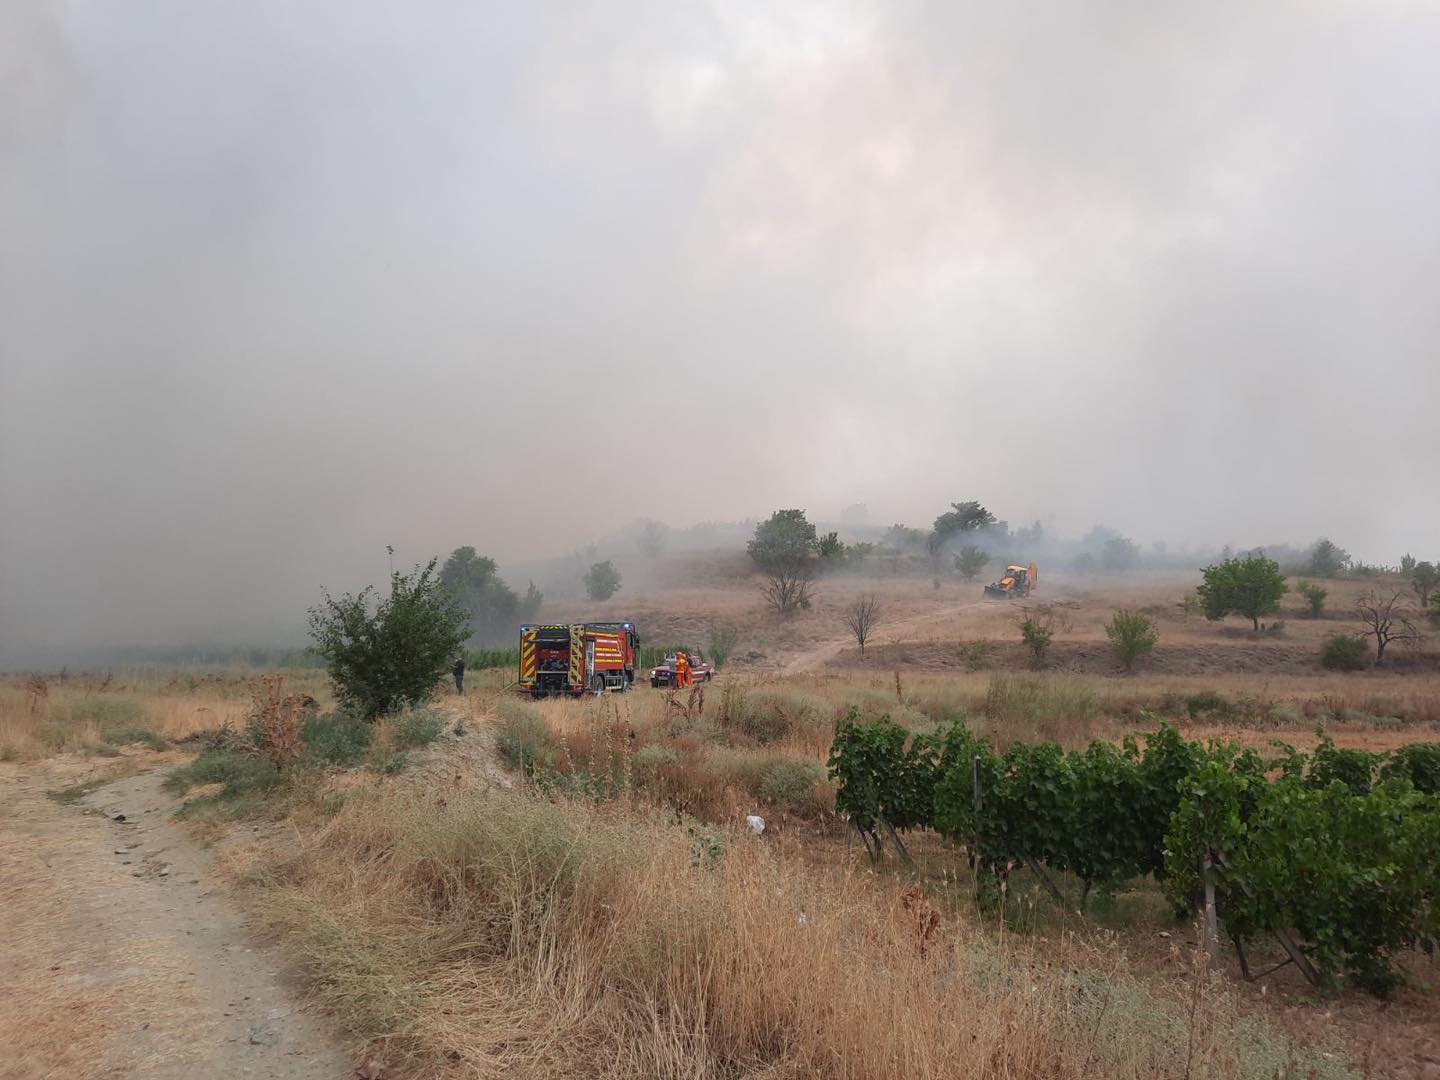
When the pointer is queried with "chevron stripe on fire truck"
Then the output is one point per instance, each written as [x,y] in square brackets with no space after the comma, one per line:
[527,657]
[577,656]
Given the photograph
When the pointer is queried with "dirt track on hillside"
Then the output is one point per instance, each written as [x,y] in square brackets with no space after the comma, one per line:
[123,956]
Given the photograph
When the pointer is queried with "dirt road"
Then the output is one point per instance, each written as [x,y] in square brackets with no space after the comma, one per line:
[902,628]
[123,957]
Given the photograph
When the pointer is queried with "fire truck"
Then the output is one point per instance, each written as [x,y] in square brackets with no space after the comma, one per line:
[579,658]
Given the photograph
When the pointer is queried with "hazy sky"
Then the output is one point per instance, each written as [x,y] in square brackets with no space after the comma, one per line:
[281,283]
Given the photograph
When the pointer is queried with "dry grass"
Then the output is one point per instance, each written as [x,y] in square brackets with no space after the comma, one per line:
[487,933]
[45,715]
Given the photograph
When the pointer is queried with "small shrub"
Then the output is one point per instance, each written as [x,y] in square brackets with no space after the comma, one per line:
[1036,638]
[649,760]
[130,736]
[389,762]
[1314,595]
[524,739]
[790,782]
[415,728]
[764,720]
[1132,635]
[969,561]
[975,655]
[106,712]
[721,644]
[9,753]
[241,774]
[276,719]
[1208,701]
[1345,652]
[335,738]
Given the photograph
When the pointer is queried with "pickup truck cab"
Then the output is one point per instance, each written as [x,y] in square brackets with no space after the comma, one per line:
[701,670]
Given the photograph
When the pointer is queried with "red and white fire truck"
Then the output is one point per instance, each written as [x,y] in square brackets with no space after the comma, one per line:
[579,658]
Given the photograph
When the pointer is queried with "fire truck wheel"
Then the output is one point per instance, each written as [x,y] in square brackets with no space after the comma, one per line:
[597,685]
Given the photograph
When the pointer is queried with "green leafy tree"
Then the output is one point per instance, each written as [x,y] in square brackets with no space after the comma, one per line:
[1120,554]
[902,538]
[961,518]
[1132,635]
[969,561]
[786,539]
[829,547]
[1425,580]
[1251,586]
[1407,563]
[783,549]
[490,606]
[1314,595]
[1327,558]
[602,581]
[387,654]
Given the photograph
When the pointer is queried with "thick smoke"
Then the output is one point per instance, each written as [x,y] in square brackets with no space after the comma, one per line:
[281,284]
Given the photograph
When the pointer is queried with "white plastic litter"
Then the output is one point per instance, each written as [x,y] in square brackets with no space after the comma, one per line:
[756,823]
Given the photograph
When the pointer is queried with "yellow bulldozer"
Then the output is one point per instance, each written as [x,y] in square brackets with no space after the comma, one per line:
[1017,583]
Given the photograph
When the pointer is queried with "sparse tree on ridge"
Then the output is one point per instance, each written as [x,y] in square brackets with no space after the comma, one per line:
[783,549]
[1386,619]
[1251,586]
[1327,558]
[473,581]
[1120,554]
[602,581]
[650,539]
[962,517]
[1425,580]
[1314,595]
[861,616]
[829,547]
[1038,624]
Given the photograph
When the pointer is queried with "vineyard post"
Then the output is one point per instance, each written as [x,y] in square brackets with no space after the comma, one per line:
[1212,926]
[975,843]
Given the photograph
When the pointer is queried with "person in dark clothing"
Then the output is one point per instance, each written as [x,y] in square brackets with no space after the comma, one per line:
[459,672]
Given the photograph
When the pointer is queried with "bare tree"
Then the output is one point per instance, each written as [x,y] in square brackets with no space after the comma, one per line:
[787,588]
[862,616]
[1386,619]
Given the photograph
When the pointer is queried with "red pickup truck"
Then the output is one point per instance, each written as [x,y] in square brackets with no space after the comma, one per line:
[701,670]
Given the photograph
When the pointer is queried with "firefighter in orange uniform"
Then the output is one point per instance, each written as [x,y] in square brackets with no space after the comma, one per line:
[682,671]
